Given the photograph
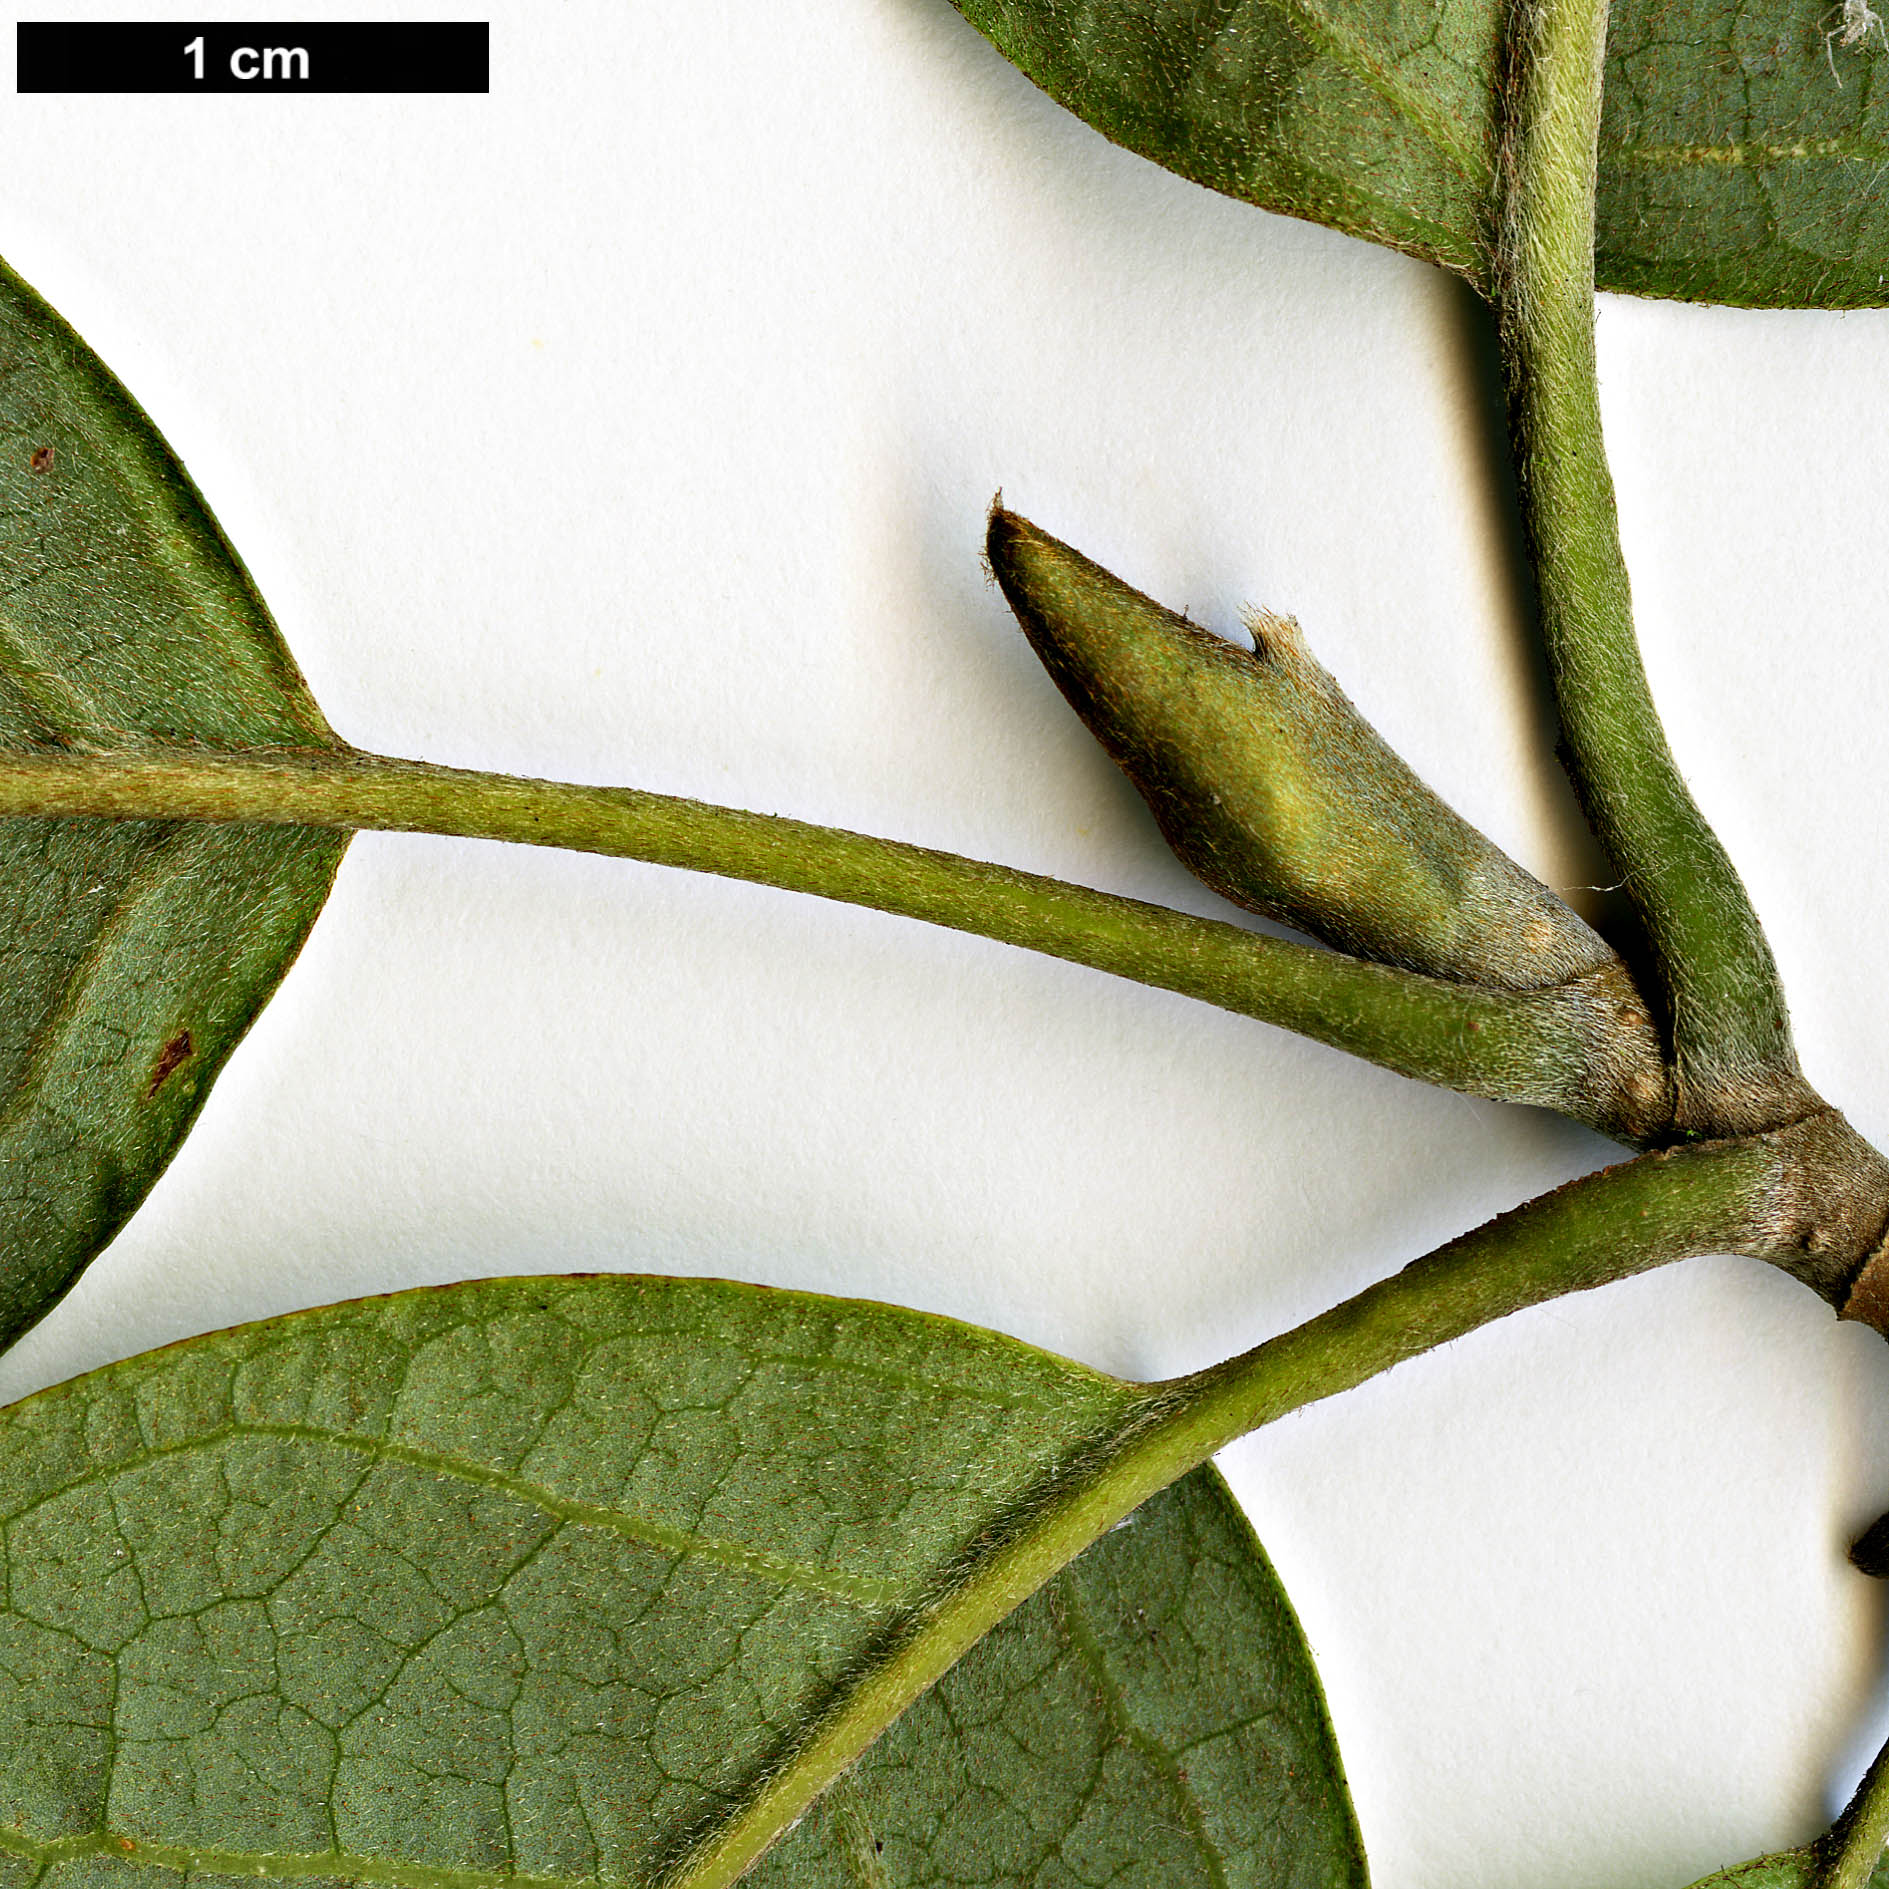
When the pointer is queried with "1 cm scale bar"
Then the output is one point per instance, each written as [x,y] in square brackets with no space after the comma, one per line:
[253,56]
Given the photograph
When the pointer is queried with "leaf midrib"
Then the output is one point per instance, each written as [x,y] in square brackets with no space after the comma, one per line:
[1736,152]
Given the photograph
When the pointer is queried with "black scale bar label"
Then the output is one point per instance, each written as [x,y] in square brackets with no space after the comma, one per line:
[189,56]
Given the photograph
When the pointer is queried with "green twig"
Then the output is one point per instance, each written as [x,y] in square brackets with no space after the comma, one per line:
[1736,1068]
[1586,1048]
[1847,1857]
[1730,1197]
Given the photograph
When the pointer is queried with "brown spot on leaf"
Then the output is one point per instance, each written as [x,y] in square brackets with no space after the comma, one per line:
[42,459]
[177,1050]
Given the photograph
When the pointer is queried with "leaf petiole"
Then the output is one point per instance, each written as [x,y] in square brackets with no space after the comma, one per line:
[1734,1064]
[1723,1197]
[1586,1048]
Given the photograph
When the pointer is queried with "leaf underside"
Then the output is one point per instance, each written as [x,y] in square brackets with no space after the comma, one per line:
[132,956]
[1744,151]
[1150,1720]
[1734,167]
[542,1578]
[1373,116]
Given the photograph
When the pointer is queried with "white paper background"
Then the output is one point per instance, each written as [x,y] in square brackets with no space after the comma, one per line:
[636,423]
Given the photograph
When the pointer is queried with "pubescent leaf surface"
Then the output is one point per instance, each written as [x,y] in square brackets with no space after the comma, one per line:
[1151,1720]
[540,1579]
[132,956]
[1376,117]
[1744,150]
[1744,155]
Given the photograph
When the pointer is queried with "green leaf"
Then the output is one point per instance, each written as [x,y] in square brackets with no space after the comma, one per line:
[551,1578]
[1789,1869]
[1152,1716]
[1376,117]
[1734,165]
[132,956]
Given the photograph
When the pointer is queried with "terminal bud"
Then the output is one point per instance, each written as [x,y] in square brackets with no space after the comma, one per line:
[1274,790]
